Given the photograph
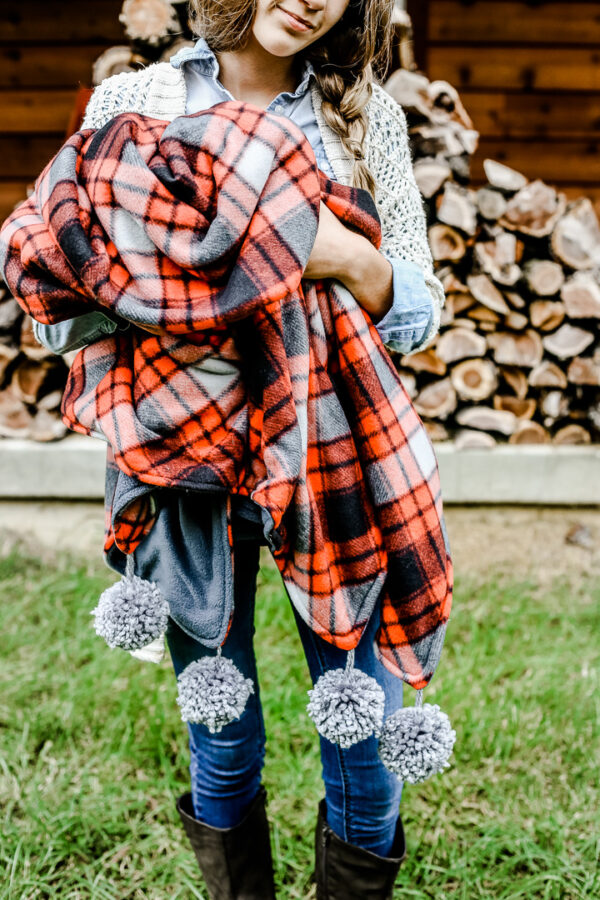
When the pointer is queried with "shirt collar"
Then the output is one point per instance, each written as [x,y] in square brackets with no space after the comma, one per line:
[205,60]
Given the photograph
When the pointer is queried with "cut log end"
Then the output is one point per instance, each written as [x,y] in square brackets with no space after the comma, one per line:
[149,22]
[460,343]
[437,400]
[568,341]
[534,210]
[575,239]
[487,419]
[114,61]
[572,434]
[469,439]
[474,379]
[581,296]
[446,243]
[543,277]
[529,433]
[502,177]
[510,349]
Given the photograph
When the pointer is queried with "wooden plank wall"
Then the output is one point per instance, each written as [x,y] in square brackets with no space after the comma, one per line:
[46,53]
[528,73]
[529,76]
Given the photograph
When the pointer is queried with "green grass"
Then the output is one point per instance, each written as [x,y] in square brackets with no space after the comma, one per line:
[93,752]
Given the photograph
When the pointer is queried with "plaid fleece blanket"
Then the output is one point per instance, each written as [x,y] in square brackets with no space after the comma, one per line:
[237,375]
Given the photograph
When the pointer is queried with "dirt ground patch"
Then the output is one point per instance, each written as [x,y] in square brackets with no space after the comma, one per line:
[524,541]
[541,542]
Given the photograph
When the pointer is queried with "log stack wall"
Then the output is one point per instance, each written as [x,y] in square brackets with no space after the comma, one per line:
[529,76]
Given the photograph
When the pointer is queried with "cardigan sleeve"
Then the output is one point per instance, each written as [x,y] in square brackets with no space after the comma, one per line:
[72,334]
[399,201]
[117,93]
[111,96]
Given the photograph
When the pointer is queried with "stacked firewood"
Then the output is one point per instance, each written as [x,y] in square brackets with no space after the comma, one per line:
[32,378]
[156,29]
[518,353]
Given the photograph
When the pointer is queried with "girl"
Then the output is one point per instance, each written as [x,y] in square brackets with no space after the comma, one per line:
[314,61]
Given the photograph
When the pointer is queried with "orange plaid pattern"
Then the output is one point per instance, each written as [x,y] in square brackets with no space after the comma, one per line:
[237,375]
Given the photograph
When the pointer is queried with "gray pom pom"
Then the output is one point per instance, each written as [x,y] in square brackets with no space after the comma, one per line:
[416,742]
[346,705]
[131,613]
[213,692]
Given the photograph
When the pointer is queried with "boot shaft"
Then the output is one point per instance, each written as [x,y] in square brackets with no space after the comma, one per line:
[345,871]
[236,862]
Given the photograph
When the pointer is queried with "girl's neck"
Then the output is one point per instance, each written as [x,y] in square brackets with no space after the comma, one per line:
[253,75]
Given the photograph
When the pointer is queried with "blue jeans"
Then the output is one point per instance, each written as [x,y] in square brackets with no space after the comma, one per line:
[362,796]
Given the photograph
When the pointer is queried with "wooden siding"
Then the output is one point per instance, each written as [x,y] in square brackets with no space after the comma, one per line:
[46,54]
[529,76]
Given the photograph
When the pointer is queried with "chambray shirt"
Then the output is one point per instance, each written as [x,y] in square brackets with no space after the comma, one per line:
[405,324]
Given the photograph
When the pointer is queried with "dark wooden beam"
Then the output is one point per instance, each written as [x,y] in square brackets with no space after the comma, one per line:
[418,10]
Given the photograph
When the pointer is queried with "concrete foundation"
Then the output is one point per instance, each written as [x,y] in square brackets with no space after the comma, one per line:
[74,469]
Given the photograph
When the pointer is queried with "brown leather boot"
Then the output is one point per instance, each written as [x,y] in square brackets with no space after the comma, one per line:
[344,871]
[236,862]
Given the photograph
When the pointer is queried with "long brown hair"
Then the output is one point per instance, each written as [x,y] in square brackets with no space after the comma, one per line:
[347,59]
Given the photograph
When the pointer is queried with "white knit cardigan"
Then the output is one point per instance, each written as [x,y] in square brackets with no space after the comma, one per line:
[159,90]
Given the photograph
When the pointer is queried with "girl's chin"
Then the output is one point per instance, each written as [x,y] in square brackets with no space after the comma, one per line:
[279,40]
[279,43]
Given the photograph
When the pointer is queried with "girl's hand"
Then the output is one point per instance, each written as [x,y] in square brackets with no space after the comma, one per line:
[338,252]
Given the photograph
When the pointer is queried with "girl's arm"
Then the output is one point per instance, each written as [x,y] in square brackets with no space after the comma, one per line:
[392,290]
